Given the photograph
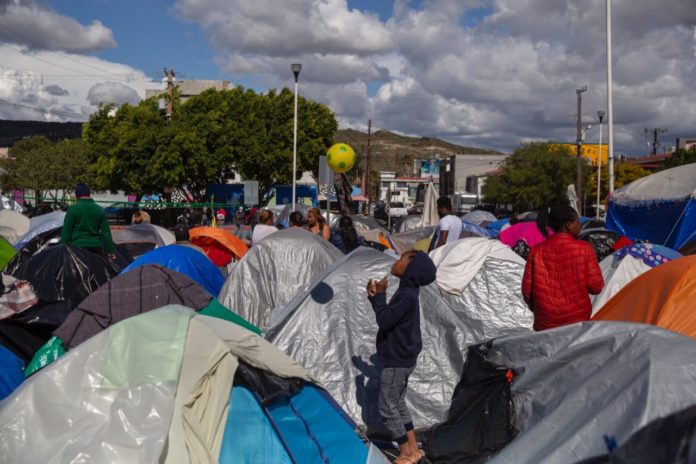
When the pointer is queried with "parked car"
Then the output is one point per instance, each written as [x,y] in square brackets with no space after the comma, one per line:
[396,209]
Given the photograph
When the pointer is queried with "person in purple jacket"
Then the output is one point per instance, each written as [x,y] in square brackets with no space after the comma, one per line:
[398,345]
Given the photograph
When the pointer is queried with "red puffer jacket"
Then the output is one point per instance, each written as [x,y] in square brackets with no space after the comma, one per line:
[560,273]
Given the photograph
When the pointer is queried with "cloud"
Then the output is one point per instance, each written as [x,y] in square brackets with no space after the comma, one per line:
[56,90]
[112,93]
[37,27]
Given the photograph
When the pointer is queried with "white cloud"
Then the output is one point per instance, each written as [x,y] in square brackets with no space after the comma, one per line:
[112,93]
[36,26]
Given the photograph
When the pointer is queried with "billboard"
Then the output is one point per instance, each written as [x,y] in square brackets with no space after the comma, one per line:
[429,168]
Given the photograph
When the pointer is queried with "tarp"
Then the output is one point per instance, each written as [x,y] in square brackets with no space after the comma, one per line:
[478,217]
[473,230]
[458,262]
[187,261]
[39,225]
[143,289]
[213,239]
[527,232]
[578,383]
[497,226]
[330,328]
[660,208]
[156,388]
[624,265]
[663,296]
[143,232]
[17,295]
[7,252]
[11,372]
[13,225]
[404,241]
[37,244]
[273,271]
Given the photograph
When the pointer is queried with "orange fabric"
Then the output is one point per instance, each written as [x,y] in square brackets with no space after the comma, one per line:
[204,235]
[663,296]
[383,240]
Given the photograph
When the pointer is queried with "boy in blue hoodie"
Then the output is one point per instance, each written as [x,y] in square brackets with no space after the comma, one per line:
[398,345]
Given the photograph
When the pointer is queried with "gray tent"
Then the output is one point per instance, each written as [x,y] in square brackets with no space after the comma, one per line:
[576,384]
[330,329]
[141,238]
[404,241]
[273,271]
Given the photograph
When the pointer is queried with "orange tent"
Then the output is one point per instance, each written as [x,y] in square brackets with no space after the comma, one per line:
[663,296]
[211,238]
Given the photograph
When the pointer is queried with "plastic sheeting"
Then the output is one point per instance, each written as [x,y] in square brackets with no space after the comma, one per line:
[185,260]
[330,328]
[404,241]
[13,225]
[478,217]
[39,225]
[577,383]
[273,271]
[617,272]
[660,208]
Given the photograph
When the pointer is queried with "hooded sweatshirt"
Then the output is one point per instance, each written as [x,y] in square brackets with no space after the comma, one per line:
[399,337]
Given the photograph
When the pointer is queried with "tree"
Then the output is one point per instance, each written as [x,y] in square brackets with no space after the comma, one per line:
[211,135]
[534,176]
[680,158]
[624,173]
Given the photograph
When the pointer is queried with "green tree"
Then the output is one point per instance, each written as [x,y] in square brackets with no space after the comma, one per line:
[211,135]
[624,173]
[680,158]
[535,175]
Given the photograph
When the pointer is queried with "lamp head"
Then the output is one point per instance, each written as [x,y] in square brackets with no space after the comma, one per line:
[600,115]
[296,68]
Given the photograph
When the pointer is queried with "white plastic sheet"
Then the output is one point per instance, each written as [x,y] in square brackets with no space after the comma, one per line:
[617,273]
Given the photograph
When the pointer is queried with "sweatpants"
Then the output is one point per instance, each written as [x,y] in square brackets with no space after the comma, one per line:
[392,401]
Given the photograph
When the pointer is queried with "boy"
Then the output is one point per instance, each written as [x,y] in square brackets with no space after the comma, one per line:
[398,345]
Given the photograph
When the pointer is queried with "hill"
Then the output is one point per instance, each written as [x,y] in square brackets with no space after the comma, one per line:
[394,152]
[12,131]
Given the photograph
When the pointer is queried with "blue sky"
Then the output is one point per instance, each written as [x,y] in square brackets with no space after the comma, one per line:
[485,73]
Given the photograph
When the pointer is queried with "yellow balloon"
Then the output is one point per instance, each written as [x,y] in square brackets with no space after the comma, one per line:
[340,157]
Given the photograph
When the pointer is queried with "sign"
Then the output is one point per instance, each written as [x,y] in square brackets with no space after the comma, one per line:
[251,192]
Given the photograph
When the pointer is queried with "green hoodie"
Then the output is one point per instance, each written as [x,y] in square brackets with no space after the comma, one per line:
[86,226]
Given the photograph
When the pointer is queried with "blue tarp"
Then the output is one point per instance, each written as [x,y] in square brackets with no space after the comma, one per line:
[496,227]
[11,372]
[305,426]
[477,230]
[187,261]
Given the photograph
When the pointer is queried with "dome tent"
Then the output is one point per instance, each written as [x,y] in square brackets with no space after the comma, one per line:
[660,208]
[39,225]
[197,378]
[330,328]
[138,239]
[273,271]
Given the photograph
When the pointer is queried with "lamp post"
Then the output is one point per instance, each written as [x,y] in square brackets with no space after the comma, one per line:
[296,68]
[600,114]
[610,111]
[581,139]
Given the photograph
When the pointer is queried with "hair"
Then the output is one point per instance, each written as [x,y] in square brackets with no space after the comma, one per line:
[556,218]
[266,217]
[321,220]
[296,219]
[348,233]
[444,202]
[138,215]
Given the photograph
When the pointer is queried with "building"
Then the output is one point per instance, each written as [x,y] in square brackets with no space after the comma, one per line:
[403,188]
[589,151]
[686,143]
[467,173]
[188,89]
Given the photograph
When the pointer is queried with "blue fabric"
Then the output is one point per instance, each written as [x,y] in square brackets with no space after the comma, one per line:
[477,230]
[187,261]
[668,223]
[249,437]
[11,372]
[497,226]
[315,431]
[584,219]
[652,255]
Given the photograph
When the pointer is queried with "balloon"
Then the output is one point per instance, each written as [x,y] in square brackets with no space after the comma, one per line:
[340,157]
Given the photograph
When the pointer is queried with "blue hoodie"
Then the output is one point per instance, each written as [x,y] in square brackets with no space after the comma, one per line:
[399,338]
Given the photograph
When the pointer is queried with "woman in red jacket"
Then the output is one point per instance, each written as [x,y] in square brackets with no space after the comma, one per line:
[560,272]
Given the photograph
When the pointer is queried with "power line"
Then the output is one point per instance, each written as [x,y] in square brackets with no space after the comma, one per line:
[43,110]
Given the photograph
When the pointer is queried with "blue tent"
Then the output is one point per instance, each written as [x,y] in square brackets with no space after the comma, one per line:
[187,261]
[469,229]
[497,226]
[660,208]
[11,372]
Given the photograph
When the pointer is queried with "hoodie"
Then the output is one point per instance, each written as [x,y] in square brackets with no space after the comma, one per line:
[399,337]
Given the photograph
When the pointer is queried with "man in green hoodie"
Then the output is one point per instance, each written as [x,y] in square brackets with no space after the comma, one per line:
[86,226]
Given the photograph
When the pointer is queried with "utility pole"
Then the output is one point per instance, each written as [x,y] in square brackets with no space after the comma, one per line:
[656,134]
[368,168]
[169,73]
[578,161]
[610,104]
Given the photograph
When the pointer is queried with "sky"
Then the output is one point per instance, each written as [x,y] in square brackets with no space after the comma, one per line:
[483,73]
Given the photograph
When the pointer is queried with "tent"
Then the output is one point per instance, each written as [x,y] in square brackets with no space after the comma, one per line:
[574,385]
[660,208]
[218,244]
[39,225]
[497,226]
[62,277]
[663,296]
[474,230]
[412,239]
[16,296]
[7,252]
[185,260]
[330,328]
[624,265]
[172,386]
[35,245]
[478,217]
[273,271]
[138,239]
[11,372]
[13,225]
[602,240]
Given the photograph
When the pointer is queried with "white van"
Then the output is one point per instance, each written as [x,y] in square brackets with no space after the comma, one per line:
[463,203]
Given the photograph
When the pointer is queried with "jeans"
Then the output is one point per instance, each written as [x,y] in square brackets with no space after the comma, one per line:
[392,401]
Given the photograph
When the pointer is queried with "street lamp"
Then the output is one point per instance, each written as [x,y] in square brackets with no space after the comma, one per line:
[296,68]
[581,139]
[600,115]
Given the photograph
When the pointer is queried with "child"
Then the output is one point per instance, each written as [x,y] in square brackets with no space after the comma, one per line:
[398,345]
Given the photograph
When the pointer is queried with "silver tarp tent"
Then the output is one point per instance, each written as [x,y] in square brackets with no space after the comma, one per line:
[330,329]
[404,241]
[576,384]
[273,271]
